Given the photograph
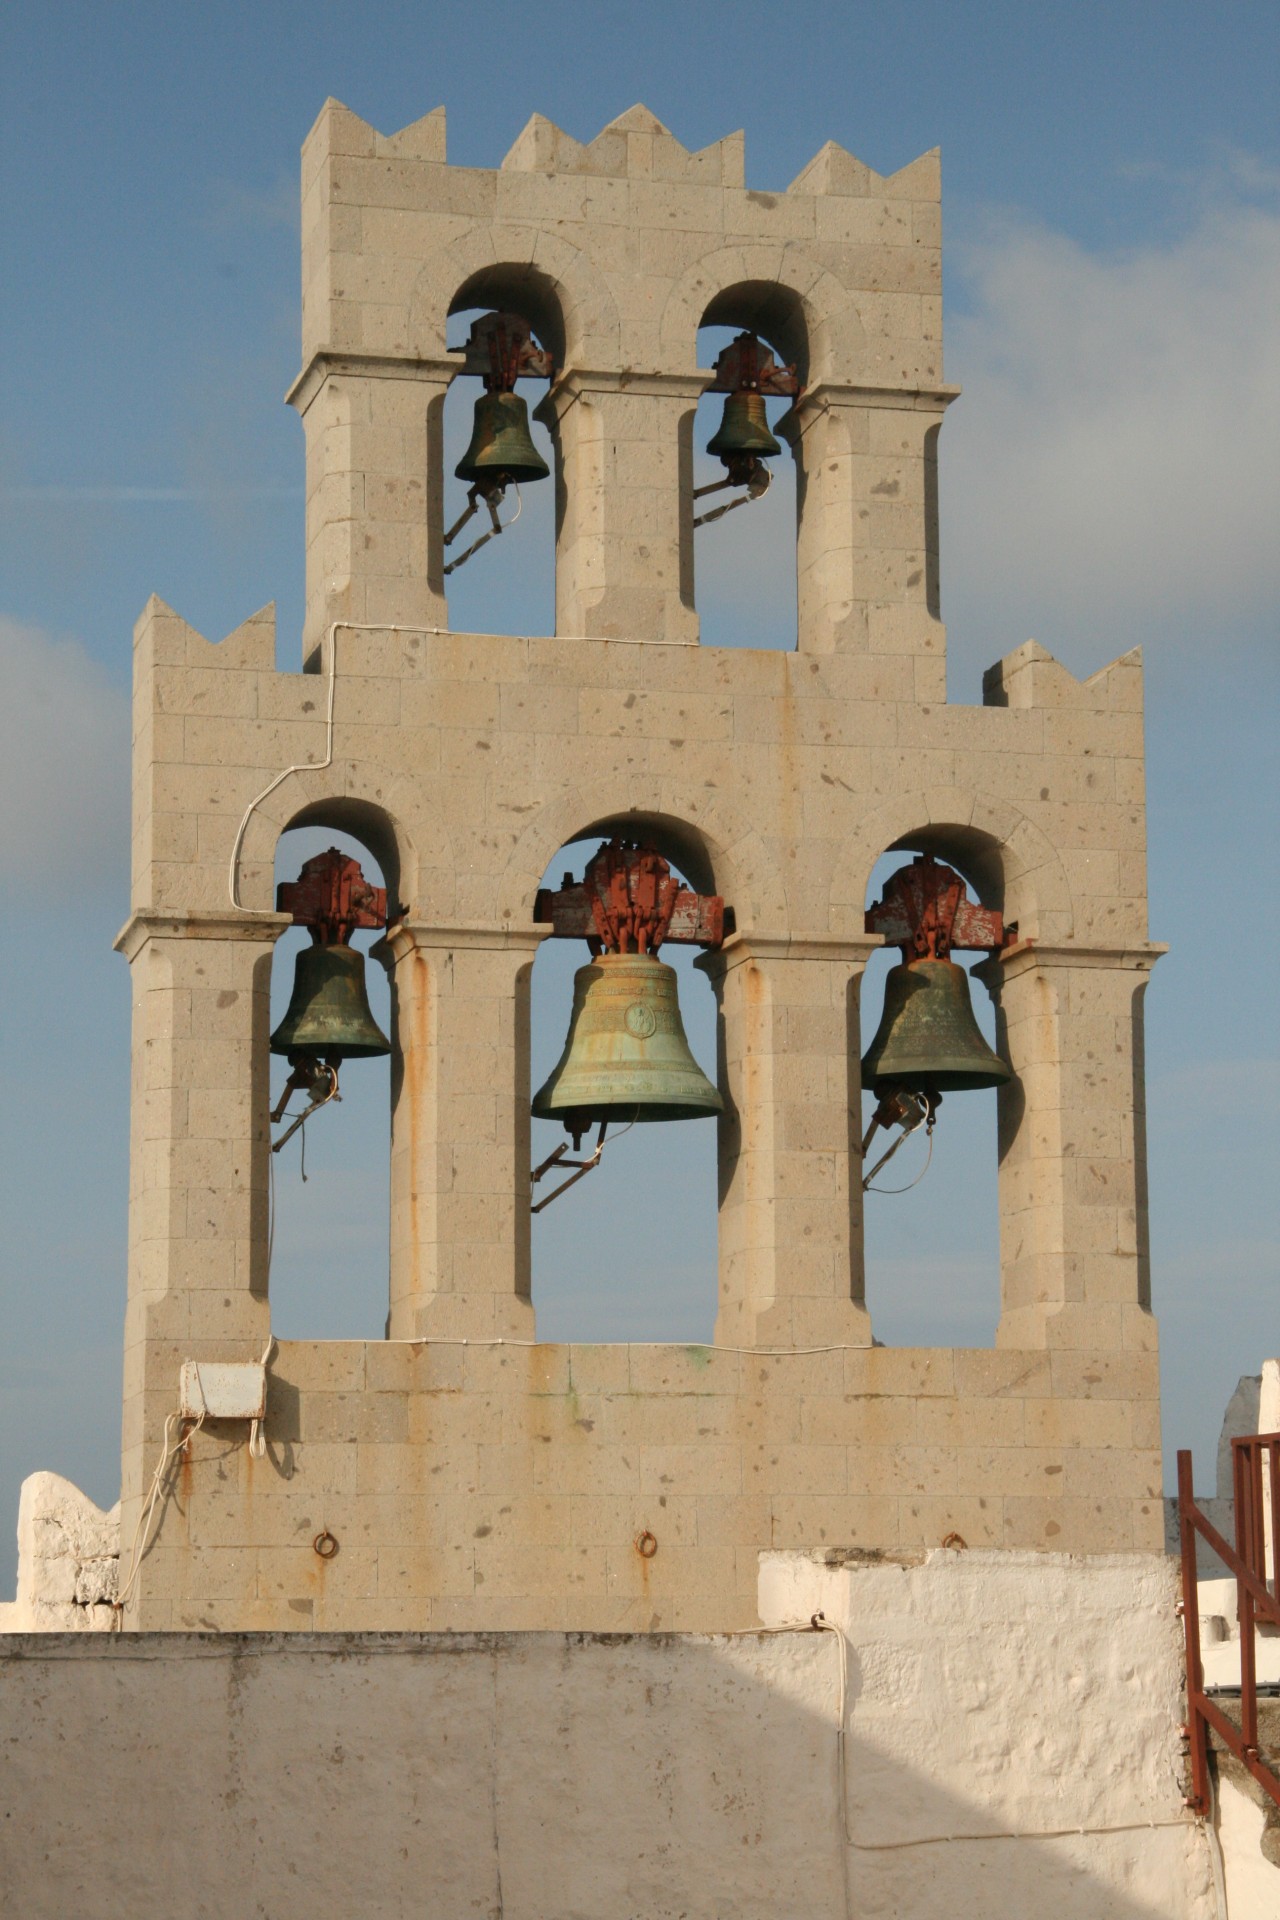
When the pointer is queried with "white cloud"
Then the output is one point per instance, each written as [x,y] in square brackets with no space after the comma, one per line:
[1112,467]
[64,763]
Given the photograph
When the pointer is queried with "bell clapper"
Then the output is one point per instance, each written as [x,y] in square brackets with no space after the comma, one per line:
[493,497]
[583,1167]
[755,477]
[910,1110]
[319,1080]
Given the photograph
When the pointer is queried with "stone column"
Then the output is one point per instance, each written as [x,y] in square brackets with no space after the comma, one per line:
[791,1269]
[375,436]
[460,1131]
[624,553]
[198,1183]
[867,539]
[1074,1259]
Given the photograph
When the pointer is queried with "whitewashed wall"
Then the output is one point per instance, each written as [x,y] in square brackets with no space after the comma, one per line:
[574,1777]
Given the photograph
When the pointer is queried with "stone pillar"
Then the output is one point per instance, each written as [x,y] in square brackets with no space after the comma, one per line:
[791,1270]
[1074,1260]
[624,553]
[374,494]
[867,540]
[198,1183]
[460,1132]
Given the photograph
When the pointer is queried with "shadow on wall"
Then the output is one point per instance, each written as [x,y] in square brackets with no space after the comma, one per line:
[567,1777]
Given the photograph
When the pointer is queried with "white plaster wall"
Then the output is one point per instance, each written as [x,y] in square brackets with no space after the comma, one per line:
[1012,1720]
[1251,1883]
[68,1560]
[578,1777]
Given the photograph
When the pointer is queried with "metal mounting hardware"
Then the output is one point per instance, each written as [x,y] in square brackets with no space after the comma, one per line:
[925,910]
[628,901]
[560,1159]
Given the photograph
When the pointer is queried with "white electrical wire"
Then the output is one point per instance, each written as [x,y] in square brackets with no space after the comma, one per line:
[151,1499]
[257,1428]
[318,766]
[703,1346]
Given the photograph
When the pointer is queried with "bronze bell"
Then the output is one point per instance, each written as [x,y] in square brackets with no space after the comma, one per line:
[928,1040]
[328,1017]
[501,449]
[626,1057]
[744,429]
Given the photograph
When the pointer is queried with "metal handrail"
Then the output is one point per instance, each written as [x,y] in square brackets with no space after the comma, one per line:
[1257,1599]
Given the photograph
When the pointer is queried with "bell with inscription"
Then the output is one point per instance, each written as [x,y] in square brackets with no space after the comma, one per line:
[501,449]
[329,1018]
[928,1041]
[626,1058]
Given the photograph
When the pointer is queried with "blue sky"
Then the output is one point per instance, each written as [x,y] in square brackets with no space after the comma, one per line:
[1112,219]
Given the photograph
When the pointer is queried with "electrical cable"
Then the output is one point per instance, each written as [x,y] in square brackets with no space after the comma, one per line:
[318,766]
[138,1547]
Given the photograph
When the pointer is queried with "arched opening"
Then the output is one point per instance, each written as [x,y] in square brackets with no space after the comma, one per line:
[507,585]
[629,1252]
[742,557]
[931,1225]
[330,1183]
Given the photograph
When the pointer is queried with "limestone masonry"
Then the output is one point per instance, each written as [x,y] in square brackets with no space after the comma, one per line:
[476,1485]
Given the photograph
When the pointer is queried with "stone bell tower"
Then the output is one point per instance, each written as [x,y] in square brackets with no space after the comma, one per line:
[467,1475]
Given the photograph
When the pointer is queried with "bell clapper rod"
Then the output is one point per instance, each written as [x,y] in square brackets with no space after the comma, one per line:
[757,484]
[307,1077]
[493,500]
[557,1159]
[910,1111]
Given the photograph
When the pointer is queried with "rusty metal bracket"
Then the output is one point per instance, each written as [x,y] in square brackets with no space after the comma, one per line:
[925,910]
[332,897]
[746,366]
[501,350]
[628,901]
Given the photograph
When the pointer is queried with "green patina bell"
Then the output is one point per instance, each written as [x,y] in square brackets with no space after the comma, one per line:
[626,1057]
[329,1017]
[744,429]
[501,449]
[928,1040]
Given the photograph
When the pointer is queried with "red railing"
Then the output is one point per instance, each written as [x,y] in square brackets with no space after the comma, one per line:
[1257,1600]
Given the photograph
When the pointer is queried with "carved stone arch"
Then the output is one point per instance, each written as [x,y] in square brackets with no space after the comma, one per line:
[805,312]
[402,831]
[553,283]
[709,840]
[1009,862]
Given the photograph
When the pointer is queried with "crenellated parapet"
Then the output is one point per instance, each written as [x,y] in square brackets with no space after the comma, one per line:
[616,252]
